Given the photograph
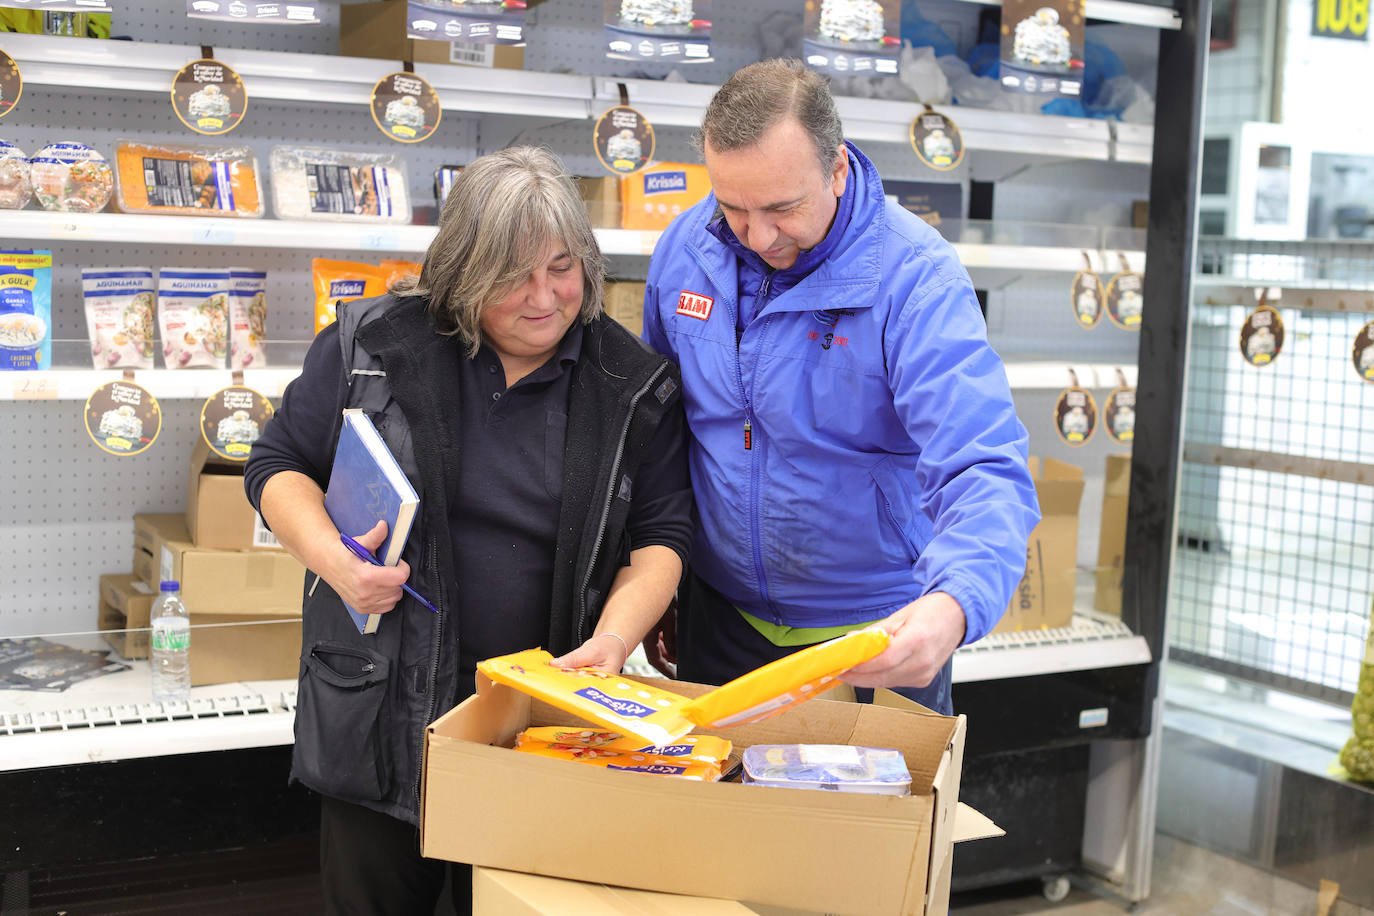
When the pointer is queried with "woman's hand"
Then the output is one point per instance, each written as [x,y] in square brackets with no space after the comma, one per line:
[607,651]
[366,588]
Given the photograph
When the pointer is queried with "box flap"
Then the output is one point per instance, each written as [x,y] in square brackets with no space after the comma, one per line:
[972,824]
[1061,470]
[506,892]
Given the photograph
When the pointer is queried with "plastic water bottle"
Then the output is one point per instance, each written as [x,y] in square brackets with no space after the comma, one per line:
[171,646]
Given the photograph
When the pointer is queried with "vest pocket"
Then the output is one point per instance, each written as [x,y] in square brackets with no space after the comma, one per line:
[339,749]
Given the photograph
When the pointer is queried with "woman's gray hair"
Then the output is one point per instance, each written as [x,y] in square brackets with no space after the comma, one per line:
[501,214]
[760,95]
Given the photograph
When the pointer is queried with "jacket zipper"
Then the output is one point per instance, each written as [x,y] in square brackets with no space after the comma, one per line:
[755,537]
[433,666]
[580,628]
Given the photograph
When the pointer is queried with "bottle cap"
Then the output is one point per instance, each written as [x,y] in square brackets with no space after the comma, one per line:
[170,585]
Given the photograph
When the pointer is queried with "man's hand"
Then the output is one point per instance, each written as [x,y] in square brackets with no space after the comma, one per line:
[924,634]
[660,644]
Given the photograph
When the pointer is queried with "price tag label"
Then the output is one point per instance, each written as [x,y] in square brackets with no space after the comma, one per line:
[214,235]
[70,229]
[36,386]
[378,241]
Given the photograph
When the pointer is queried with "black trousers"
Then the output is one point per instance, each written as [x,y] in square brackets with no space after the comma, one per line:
[715,644]
[370,865]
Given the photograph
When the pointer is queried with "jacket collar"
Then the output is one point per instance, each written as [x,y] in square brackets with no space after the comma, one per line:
[852,267]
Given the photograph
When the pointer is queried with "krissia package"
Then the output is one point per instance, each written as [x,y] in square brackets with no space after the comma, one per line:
[631,761]
[119,304]
[786,682]
[193,315]
[705,748]
[340,281]
[620,704]
[247,318]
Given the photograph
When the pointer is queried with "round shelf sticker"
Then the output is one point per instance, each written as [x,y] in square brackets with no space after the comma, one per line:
[1126,299]
[1087,297]
[123,418]
[1363,353]
[937,141]
[1075,416]
[209,97]
[1118,415]
[11,84]
[624,140]
[406,107]
[1261,337]
[232,419]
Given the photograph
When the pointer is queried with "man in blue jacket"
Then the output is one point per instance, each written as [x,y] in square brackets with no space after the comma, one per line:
[855,453]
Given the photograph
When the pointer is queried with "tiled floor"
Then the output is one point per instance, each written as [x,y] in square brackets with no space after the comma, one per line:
[1186,881]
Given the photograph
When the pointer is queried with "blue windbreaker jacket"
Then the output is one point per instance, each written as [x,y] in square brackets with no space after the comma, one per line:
[886,460]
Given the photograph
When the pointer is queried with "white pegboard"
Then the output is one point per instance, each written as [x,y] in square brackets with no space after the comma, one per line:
[68,511]
[165,21]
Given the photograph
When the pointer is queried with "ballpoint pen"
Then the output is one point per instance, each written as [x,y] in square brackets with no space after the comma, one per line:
[363,553]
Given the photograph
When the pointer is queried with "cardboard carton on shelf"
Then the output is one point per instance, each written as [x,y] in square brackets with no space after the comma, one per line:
[1044,597]
[1111,545]
[238,583]
[218,514]
[226,647]
[625,303]
[835,852]
[601,194]
[125,601]
[379,30]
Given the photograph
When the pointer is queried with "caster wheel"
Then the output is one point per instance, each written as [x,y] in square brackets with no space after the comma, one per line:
[1056,888]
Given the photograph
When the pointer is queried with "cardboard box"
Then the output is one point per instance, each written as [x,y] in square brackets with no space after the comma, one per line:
[1111,544]
[242,583]
[149,529]
[625,303]
[602,197]
[125,601]
[496,892]
[1044,598]
[226,647]
[379,30]
[830,851]
[218,513]
[653,198]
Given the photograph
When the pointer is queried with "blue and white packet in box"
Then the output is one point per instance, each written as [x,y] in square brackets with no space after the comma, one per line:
[25,309]
[833,767]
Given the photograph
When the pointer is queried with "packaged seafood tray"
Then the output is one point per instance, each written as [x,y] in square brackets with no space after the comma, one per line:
[832,767]
[312,182]
[70,177]
[186,180]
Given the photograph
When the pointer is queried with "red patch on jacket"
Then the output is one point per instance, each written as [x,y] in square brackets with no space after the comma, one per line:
[694,305]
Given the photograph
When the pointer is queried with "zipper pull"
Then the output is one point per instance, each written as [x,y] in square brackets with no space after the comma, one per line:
[748,435]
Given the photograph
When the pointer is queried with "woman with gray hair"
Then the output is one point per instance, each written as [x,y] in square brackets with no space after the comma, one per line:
[548,448]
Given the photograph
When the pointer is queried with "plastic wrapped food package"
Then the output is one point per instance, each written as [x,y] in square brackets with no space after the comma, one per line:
[310,182]
[16,188]
[70,177]
[119,304]
[340,281]
[832,767]
[187,180]
[193,315]
[444,177]
[26,309]
[705,748]
[247,318]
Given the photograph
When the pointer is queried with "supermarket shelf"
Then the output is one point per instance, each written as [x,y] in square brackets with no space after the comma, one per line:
[171,384]
[79,63]
[152,229]
[113,718]
[1123,11]
[1090,642]
[884,121]
[1332,297]
[77,384]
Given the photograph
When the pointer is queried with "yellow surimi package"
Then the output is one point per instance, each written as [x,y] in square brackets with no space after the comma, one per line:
[620,704]
[705,748]
[782,684]
[630,761]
